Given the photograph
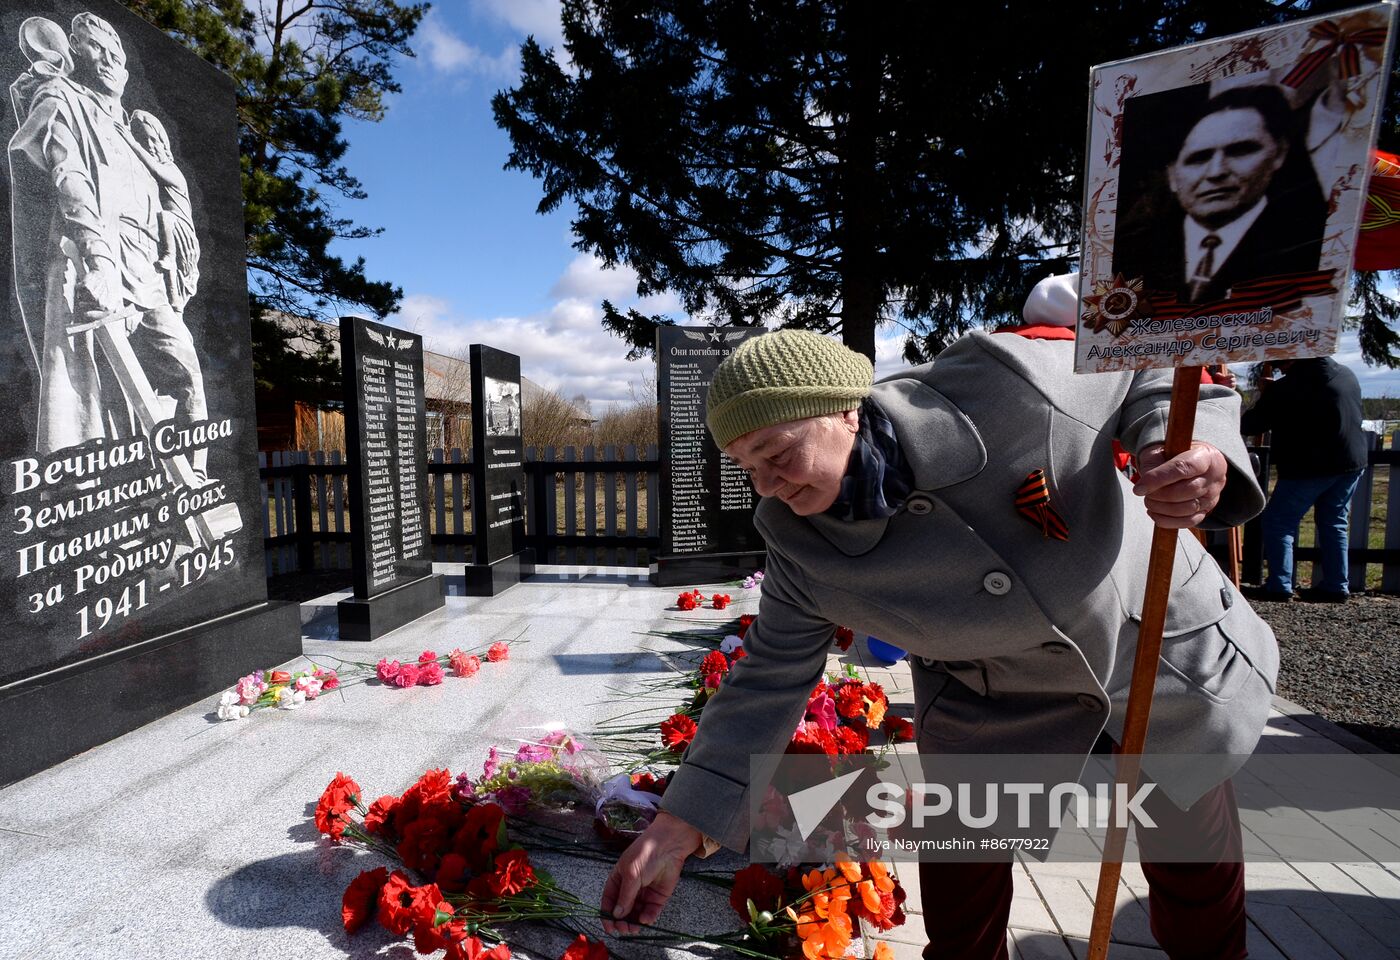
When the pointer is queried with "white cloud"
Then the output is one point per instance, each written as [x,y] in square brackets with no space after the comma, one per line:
[449,53]
[564,348]
[538,18]
[587,278]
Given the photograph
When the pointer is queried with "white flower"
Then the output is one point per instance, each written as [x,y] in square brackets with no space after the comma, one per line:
[731,643]
[289,699]
[229,708]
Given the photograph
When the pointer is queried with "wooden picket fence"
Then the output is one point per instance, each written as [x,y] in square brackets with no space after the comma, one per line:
[1373,535]
[569,516]
[570,519]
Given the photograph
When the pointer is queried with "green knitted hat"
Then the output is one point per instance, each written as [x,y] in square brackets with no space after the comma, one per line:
[781,376]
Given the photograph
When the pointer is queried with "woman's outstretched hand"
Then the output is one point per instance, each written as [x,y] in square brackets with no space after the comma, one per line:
[647,873]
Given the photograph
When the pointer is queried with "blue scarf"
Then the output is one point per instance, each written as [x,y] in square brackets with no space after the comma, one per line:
[877,479]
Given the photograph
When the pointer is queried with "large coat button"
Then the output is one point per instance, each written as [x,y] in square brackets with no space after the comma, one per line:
[996,583]
[919,504]
[1090,702]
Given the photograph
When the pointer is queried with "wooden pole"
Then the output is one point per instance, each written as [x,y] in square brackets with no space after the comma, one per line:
[1236,555]
[1181,423]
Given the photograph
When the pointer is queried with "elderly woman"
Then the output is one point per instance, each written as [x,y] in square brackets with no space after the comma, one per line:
[892,508]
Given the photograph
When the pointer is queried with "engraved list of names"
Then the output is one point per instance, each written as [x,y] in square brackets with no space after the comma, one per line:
[385,411]
[707,502]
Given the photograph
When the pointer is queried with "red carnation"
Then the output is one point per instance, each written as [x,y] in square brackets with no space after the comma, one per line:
[396,903]
[738,654]
[851,740]
[424,842]
[584,949]
[380,812]
[498,651]
[452,873]
[745,621]
[481,836]
[513,873]
[876,693]
[850,701]
[714,662]
[407,675]
[898,730]
[677,731]
[427,656]
[720,600]
[357,905]
[811,738]
[687,602]
[342,795]
[650,784]
[430,675]
[759,884]
[429,936]
[845,636]
[471,948]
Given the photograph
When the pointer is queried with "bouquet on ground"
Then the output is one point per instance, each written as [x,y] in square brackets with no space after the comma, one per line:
[287,690]
[474,878]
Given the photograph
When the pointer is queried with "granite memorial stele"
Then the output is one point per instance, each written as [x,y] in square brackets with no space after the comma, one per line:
[707,503]
[386,435]
[132,545]
[500,558]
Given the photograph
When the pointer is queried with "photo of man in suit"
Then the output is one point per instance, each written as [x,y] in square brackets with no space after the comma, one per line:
[1236,200]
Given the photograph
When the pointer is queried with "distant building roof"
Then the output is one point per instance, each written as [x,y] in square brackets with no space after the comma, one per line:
[446,379]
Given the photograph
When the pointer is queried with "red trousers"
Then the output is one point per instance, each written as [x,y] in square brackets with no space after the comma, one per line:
[1196,909]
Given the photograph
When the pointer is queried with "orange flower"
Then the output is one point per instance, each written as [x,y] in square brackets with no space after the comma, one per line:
[848,867]
[883,951]
[827,940]
[876,714]
[869,896]
[880,876]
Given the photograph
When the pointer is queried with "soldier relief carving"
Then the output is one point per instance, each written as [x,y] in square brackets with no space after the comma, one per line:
[121,489]
[106,261]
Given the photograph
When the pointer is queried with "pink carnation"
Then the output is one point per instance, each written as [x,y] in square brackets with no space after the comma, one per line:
[492,765]
[430,674]
[329,681]
[407,675]
[388,670]
[822,711]
[310,686]
[463,664]
[427,656]
[498,651]
[249,688]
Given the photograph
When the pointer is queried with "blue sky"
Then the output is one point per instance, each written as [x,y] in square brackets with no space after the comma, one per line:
[461,235]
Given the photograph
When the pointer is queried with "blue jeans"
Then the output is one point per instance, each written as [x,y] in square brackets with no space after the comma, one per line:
[1291,499]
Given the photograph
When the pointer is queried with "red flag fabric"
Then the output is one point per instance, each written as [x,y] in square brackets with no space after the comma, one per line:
[1378,244]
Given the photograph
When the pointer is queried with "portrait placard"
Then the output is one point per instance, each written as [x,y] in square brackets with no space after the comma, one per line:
[1223,190]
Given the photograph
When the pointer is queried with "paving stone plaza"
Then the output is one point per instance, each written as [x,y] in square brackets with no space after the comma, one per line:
[193,837]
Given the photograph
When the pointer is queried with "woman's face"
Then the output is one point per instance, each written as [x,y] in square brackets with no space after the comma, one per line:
[800,462]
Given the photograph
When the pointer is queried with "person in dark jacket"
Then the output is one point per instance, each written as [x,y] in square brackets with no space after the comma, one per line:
[1314,414]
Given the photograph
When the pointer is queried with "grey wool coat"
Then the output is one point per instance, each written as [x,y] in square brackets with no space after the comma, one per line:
[1026,643]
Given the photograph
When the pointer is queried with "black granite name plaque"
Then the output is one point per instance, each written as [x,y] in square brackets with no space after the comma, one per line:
[707,502]
[499,555]
[132,539]
[385,417]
